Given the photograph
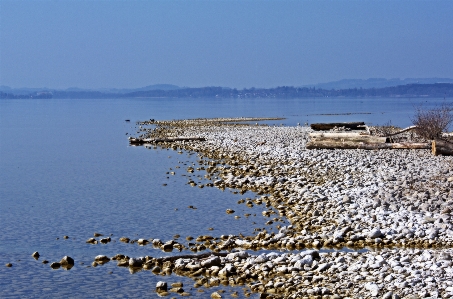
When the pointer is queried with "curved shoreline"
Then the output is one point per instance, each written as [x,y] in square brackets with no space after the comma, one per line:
[355,198]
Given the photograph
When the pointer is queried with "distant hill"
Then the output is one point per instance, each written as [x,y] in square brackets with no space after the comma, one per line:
[377,83]
[22,91]
[408,90]
[146,88]
[26,91]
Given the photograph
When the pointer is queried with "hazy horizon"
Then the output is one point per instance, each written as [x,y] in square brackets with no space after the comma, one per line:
[133,44]
[350,83]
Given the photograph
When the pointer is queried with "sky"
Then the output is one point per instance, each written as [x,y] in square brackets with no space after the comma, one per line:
[130,44]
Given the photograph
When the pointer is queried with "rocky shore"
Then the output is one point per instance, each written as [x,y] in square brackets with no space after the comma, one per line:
[390,273]
[399,202]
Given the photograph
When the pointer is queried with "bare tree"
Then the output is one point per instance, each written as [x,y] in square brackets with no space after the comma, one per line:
[431,123]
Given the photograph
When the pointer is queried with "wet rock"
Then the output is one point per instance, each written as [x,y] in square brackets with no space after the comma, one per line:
[216,295]
[136,262]
[102,259]
[55,265]
[157,242]
[35,255]
[168,246]
[9,265]
[142,242]
[67,262]
[105,240]
[177,290]
[161,286]
[91,241]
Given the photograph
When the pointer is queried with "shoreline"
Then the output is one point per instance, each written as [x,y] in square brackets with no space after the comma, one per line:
[399,201]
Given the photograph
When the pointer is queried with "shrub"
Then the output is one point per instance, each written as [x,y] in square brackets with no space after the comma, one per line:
[431,123]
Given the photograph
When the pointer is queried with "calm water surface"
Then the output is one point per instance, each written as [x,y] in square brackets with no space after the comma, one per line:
[66,169]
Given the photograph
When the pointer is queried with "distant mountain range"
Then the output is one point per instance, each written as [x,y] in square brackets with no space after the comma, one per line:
[429,87]
[377,83]
[25,91]
[341,84]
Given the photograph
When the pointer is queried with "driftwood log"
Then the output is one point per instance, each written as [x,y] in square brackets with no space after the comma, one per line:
[441,147]
[347,137]
[137,141]
[329,144]
[337,134]
[330,126]
[403,130]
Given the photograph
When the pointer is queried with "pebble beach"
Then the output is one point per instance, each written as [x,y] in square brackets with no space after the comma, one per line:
[396,203]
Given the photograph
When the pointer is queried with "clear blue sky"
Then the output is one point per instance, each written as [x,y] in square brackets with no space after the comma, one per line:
[95,44]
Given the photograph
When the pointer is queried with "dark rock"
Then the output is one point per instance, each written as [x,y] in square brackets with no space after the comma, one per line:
[67,261]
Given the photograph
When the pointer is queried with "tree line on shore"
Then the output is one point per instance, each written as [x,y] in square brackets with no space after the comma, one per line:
[409,90]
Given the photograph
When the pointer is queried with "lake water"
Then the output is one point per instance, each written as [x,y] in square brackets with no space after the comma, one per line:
[66,169]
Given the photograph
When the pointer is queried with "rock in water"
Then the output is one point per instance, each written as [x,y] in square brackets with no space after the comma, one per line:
[216,295]
[67,261]
[35,255]
[161,286]
[102,259]
[136,262]
[91,241]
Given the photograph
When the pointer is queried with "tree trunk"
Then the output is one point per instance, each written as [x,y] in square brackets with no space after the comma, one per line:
[330,126]
[442,147]
[326,144]
[337,134]
[346,137]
